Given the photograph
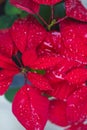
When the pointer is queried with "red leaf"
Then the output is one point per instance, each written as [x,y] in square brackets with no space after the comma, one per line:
[47,2]
[74,37]
[75,9]
[54,76]
[19,33]
[77,105]
[36,33]
[46,62]
[63,90]
[4,85]
[5,80]
[39,81]
[29,57]
[74,56]
[77,76]
[29,106]
[28,5]
[57,112]
[6,44]
[57,73]
[7,63]
[51,44]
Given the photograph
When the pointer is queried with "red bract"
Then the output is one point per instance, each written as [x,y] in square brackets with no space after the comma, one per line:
[47,2]
[19,33]
[57,113]
[30,108]
[60,81]
[9,69]
[7,47]
[27,33]
[74,37]
[73,56]
[78,127]
[72,111]
[58,72]
[76,9]
[77,76]
[28,5]
[62,90]
[51,45]
[77,105]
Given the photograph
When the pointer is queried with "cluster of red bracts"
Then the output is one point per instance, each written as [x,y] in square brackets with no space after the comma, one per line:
[55,62]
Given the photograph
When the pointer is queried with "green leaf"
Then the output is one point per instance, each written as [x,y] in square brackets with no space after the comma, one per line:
[42,72]
[10,93]
[45,12]
[23,14]
[59,10]
[11,10]
[7,21]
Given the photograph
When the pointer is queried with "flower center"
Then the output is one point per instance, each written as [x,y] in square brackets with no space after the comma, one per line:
[51,24]
[25,69]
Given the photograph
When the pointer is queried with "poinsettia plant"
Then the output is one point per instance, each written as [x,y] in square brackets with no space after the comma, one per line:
[51,54]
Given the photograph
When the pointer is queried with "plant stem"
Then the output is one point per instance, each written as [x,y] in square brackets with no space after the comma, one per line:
[52,12]
[60,20]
